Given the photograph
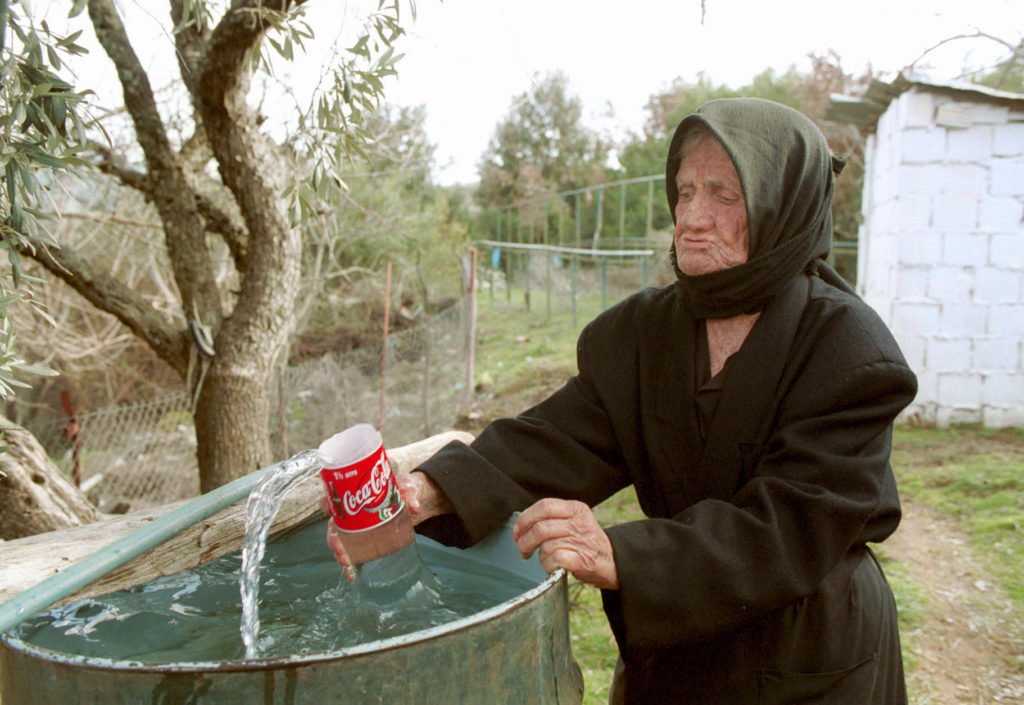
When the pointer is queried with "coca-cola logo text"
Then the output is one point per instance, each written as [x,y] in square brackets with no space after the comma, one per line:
[371,494]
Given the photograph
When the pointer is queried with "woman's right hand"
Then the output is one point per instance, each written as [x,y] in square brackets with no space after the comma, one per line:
[422,495]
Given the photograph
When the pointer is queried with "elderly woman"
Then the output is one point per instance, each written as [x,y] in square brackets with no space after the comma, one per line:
[751,406]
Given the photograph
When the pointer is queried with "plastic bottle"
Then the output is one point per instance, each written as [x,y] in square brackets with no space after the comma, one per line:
[372,518]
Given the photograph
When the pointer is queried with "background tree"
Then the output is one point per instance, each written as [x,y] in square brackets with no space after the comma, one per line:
[541,146]
[227,194]
[393,212]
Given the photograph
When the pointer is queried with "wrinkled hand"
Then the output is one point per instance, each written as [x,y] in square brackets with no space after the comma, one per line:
[423,497]
[568,536]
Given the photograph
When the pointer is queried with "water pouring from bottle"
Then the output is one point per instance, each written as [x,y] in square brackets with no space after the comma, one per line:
[392,589]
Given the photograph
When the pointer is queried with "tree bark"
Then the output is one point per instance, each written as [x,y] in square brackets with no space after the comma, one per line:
[233,416]
[231,425]
[34,496]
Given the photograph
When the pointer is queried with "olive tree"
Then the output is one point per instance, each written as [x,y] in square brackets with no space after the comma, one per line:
[226,184]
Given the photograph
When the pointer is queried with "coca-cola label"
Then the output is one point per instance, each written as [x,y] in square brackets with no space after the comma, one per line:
[363,495]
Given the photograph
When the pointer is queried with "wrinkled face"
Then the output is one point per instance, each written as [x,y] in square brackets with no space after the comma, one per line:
[711,213]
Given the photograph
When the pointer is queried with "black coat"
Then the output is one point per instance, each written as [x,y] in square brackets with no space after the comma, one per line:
[750,582]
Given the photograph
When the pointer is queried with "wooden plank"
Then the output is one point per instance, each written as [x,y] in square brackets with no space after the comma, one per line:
[25,562]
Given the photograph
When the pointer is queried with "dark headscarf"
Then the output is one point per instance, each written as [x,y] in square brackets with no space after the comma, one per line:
[787,174]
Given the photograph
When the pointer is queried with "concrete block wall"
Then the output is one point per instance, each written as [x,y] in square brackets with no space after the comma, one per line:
[942,250]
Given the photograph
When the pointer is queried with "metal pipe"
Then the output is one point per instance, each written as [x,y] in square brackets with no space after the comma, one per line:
[74,578]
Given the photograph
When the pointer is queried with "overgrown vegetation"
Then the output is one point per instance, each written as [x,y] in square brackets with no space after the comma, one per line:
[971,475]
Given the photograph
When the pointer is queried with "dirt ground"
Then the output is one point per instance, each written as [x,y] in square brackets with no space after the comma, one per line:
[971,647]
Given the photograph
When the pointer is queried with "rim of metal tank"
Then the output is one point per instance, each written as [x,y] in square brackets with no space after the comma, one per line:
[98,662]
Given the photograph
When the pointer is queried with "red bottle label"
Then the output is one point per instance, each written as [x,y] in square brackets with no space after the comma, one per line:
[363,495]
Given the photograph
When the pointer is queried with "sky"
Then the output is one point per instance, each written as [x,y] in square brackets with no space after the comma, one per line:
[465,60]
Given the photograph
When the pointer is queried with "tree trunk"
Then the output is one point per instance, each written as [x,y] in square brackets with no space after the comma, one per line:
[34,495]
[231,426]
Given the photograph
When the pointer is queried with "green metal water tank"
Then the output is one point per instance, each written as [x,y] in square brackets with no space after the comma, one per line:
[515,652]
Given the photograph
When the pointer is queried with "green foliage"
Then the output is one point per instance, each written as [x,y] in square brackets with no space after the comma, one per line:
[338,127]
[392,214]
[540,147]
[40,126]
[41,132]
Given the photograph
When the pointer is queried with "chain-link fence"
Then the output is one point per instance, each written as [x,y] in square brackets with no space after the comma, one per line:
[137,455]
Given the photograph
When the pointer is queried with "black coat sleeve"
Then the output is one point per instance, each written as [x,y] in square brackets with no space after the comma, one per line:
[563,447]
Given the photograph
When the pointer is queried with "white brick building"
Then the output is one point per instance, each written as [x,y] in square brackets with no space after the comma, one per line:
[941,250]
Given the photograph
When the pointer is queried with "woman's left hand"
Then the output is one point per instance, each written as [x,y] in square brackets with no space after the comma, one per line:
[568,536]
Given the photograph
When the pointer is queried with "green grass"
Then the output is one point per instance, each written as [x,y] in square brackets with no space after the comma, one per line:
[975,477]
[512,342]
[593,645]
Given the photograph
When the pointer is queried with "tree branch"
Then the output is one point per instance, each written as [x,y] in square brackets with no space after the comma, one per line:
[217,219]
[111,163]
[109,294]
[1016,51]
[251,166]
[183,228]
[190,39]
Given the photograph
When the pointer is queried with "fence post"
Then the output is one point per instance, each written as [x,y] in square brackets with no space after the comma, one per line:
[528,258]
[575,259]
[471,329]
[579,225]
[604,283]
[650,211]
[622,214]
[599,218]
[384,348]
[71,429]
[547,264]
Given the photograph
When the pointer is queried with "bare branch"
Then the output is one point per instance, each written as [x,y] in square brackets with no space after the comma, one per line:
[109,294]
[218,221]
[190,40]
[183,227]
[112,164]
[1016,51]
